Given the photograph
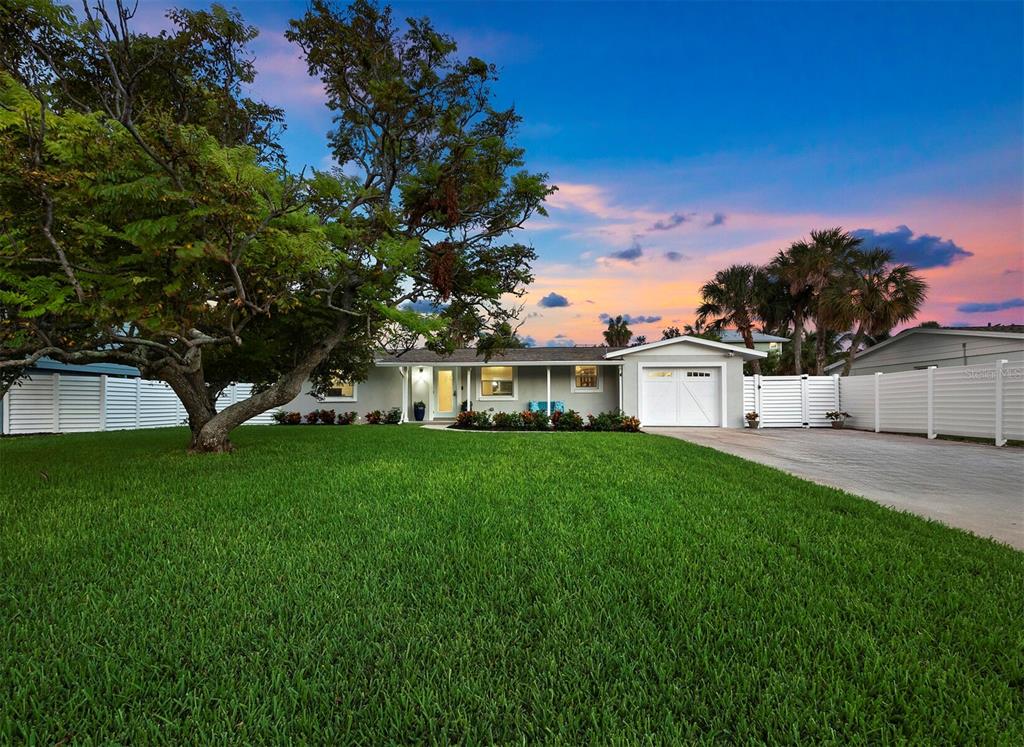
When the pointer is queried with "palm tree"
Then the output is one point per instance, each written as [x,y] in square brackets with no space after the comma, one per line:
[874,296]
[618,333]
[670,333]
[731,299]
[829,256]
[793,267]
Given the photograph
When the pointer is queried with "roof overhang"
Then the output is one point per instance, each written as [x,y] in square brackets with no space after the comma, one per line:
[723,347]
[930,331]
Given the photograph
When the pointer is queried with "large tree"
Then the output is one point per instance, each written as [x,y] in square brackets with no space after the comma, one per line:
[873,296]
[143,228]
[731,299]
[617,334]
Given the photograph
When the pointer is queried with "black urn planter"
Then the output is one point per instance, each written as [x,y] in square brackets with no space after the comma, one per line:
[837,423]
[419,410]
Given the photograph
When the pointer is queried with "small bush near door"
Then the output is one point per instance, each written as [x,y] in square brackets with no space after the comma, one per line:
[570,420]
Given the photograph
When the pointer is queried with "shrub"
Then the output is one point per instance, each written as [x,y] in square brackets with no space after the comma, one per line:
[393,416]
[374,417]
[281,417]
[630,424]
[294,418]
[473,420]
[554,418]
[605,421]
[347,418]
[539,421]
[327,417]
[313,417]
[509,421]
[570,420]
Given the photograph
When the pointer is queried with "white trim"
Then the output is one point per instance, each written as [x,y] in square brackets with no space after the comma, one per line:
[548,397]
[353,398]
[585,390]
[930,331]
[405,394]
[722,393]
[735,349]
[502,397]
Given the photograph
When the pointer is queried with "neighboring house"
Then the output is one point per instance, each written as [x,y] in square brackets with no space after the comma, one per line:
[921,347]
[763,342]
[681,381]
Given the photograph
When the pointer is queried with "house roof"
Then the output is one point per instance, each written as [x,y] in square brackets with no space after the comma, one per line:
[521,356]
[97,369]
[1004,331]
[733,349]
[733,336]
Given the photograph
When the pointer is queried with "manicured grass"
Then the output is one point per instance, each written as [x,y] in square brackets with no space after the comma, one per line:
[392,584]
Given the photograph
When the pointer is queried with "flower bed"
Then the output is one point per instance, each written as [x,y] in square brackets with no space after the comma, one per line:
[330,417]
[570,420]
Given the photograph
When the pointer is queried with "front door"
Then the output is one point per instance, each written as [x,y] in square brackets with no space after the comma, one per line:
[445,395]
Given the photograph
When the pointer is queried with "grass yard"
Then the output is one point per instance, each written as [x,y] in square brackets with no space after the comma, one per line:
[393,584]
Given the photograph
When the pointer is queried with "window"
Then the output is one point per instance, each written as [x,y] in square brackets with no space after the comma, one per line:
[698,374]
[586,379]
[773,346]
[342,390]
[497,382]
[659,374]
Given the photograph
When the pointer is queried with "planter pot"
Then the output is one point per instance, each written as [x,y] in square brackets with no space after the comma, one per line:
[419,411]
[837,423]
[752,424]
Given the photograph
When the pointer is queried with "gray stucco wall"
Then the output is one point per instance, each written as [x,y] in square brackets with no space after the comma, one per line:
[381,391]
[684,354]
[923,349]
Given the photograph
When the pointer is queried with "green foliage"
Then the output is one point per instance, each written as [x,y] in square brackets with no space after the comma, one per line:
[393,416]
[473,420]
[400,585]
[570,420]
[618,333]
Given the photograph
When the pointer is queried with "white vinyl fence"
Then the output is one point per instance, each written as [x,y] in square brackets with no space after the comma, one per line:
[981,401]
[66,403]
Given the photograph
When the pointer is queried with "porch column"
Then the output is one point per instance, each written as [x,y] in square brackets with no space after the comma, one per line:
[405,394]
[469,387]
[549,390]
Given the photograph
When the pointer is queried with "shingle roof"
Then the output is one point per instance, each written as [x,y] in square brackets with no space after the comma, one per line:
[588,353]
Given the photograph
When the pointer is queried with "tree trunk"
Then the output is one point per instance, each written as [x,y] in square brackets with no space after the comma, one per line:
[820,349]
[858,339]
[190,386]
[798,342]
[748,340]
[212,437]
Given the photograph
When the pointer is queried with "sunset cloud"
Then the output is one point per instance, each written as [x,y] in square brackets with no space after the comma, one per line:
[922,250]
[989,306]
[553,301]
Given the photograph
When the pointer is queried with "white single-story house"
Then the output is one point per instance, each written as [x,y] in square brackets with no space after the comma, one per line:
[762,341]
[921,347]
[683,381]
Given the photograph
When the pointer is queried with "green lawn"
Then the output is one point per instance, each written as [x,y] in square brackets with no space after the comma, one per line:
[396,584]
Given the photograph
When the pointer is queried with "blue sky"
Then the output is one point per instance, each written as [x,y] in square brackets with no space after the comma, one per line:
[685,137]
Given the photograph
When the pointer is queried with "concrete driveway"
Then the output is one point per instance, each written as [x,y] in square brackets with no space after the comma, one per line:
[972,486]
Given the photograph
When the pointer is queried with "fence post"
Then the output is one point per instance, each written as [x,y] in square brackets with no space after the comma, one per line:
[138,402]
[757,400]
[103,402]
[837,403]
[878,402]
[931,401]
[55,398]
[803,402]
[1000,441]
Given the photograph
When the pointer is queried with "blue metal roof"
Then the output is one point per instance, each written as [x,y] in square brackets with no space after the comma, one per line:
[97,369]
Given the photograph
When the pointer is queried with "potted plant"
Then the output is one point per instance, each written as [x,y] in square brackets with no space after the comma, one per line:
[753,419]
[838,417]
[419,410]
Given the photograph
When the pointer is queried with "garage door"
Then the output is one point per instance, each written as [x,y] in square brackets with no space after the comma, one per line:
[681,396]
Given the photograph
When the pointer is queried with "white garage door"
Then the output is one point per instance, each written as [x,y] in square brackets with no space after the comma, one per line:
[681,396]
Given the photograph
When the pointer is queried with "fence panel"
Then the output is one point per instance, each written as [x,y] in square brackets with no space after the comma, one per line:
[29,406]
[822,395]
[48,403]
[903,402]
[80,407]
[781,402]
[1013,401]
[965,401]
[857,397]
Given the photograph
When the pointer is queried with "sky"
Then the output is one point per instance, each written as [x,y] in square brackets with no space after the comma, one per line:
[685,137]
